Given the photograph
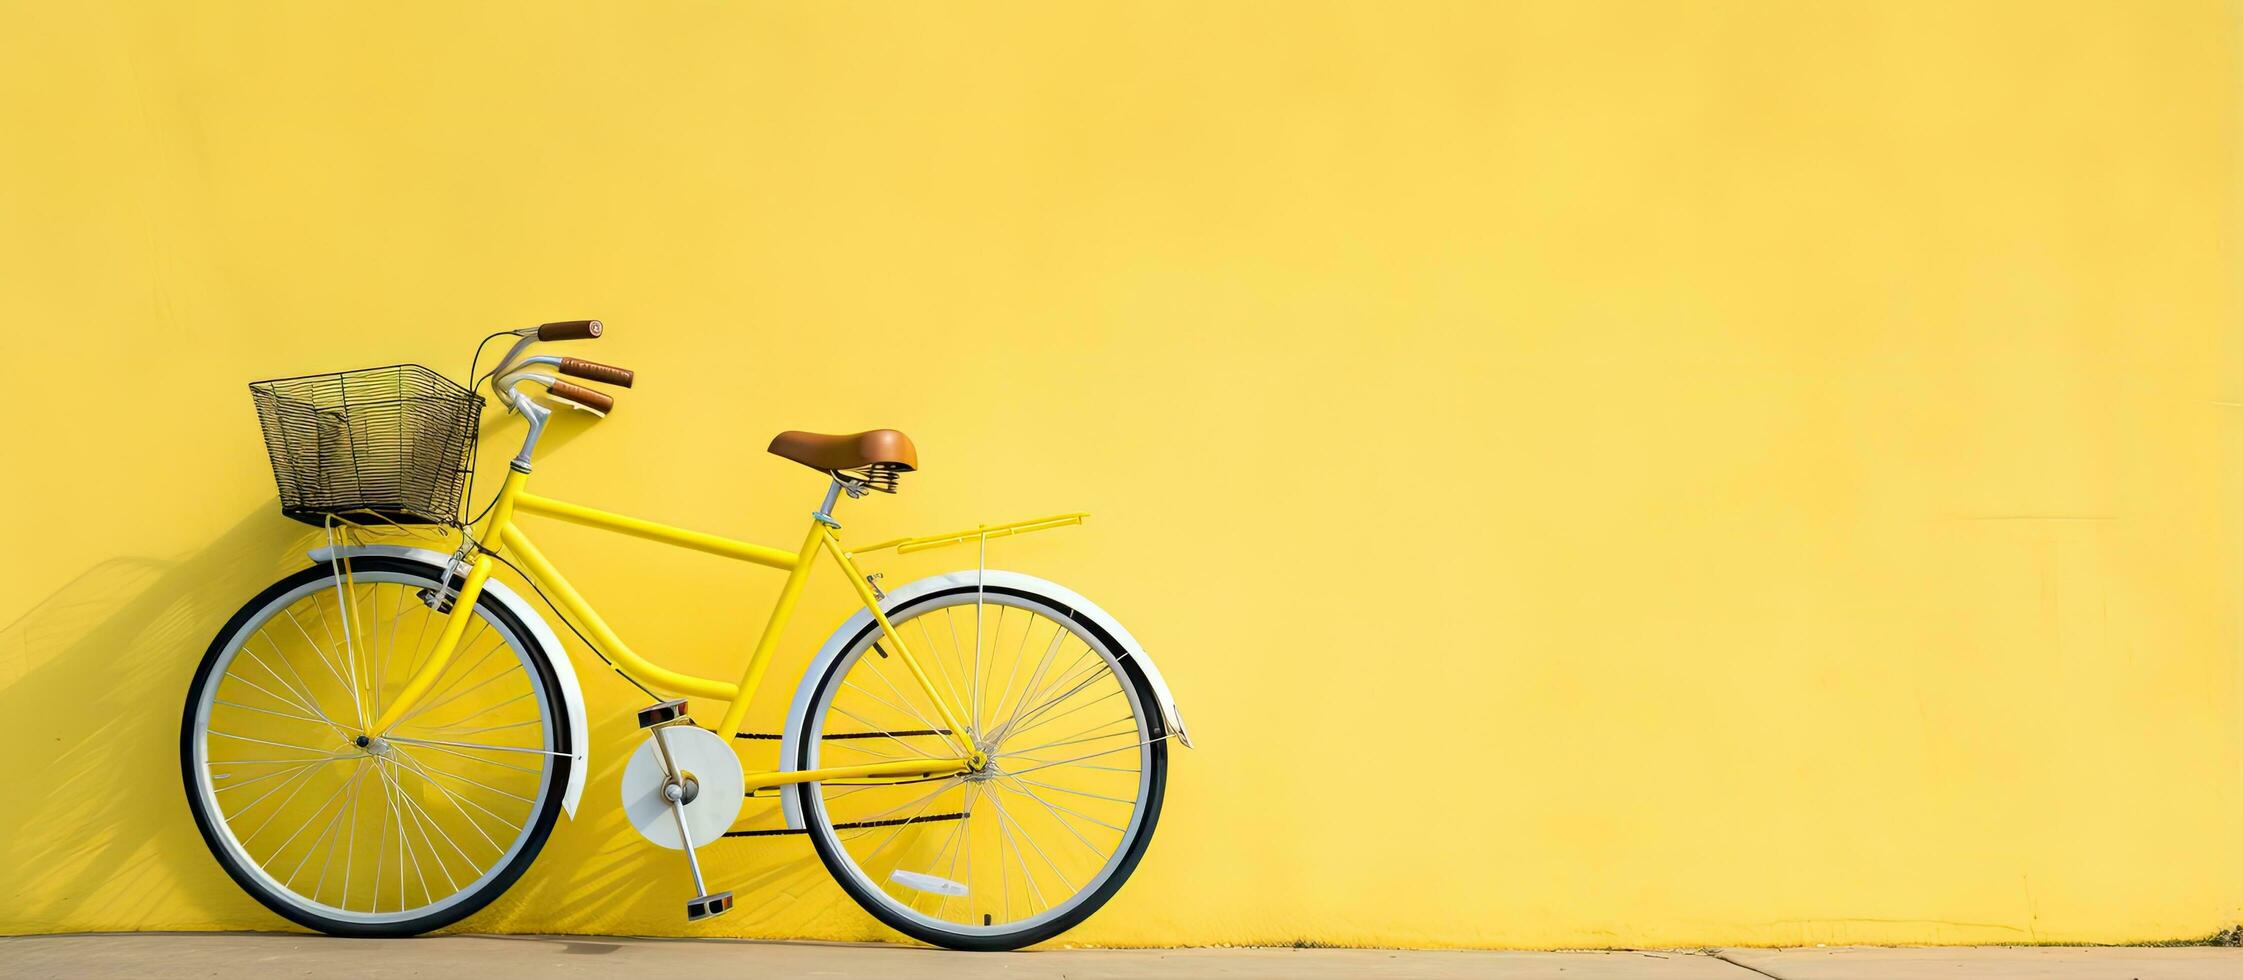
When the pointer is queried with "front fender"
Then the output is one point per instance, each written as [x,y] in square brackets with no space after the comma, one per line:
[572,695]
[798,716]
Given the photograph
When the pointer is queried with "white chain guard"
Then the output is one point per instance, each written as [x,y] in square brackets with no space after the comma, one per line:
[710,760]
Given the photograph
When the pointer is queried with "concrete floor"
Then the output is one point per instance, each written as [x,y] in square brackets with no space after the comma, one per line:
[269,956]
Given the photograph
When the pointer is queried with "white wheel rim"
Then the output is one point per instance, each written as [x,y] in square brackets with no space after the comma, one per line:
[224,832]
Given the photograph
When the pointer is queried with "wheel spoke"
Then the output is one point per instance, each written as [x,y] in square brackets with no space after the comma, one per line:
[488,762]
[292,770]
[275,762]
[326,829]
[883,729]
[430,703]
[956,835]
[313,818]
[964,697]
[1027,875]
[1019,721]
[1101,699]
[1078,765]
[982,706]
[1035,681]
[460,803]
[269,711]
[448,729]
[1094,755]
[317,651]
[480,712]
[293,682]
[350,851]
[374,903]
[439,743]
[1056,817]
[404,843]
[408,821]
[882,674]
[898,829]
[1079,737]
[299,782]
[1011,672]
[475,783]
[261,741]
[1054,787]
[891,811]
[1006,816]
[284,699]
[949,686]
[427,821]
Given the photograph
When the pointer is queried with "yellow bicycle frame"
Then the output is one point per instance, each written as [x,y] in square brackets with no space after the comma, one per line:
[501,530]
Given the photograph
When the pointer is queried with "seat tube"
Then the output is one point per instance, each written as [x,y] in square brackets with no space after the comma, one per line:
[736,714]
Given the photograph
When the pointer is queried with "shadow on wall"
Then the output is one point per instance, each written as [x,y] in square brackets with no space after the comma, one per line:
[92,684]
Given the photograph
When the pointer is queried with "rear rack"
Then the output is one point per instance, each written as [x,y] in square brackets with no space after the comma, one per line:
[905,546]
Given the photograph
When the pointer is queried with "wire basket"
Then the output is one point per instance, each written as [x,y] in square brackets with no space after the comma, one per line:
[389,444]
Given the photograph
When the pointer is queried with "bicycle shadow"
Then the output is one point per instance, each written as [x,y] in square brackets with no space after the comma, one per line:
[92,680]
[98,836]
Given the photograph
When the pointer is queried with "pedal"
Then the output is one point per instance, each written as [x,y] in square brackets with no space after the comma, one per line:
[707,906]
[662,713]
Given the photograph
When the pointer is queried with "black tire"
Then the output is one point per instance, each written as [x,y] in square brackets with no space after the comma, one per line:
[1157,769]
[541,828]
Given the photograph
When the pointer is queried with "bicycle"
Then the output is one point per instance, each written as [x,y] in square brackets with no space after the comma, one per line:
[380,743]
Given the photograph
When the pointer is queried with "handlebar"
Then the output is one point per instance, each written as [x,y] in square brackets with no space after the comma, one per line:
[514,369]
[595,371]
[596,401]
[569,330]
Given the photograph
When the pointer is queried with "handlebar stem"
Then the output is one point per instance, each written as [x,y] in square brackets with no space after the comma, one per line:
[536,414]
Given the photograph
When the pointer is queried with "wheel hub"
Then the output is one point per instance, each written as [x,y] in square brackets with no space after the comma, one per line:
[982,765]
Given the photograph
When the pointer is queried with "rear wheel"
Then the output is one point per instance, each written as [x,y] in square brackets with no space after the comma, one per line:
[1040,838]
[412,831]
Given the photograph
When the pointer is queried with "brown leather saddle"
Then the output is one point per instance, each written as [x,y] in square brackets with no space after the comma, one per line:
[875,457]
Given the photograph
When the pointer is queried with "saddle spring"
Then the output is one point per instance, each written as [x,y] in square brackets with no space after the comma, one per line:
[876,476]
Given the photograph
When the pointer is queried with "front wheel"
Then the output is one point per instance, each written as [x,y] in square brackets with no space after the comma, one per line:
[409,832]
[1048,830]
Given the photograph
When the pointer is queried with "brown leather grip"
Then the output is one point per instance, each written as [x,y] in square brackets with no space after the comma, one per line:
[595,371]
[569,330]
[582,396]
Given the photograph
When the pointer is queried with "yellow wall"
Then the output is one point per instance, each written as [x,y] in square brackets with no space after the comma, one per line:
[1594,474]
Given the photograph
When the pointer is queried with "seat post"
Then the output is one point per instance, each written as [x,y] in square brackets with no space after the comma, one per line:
[825,510]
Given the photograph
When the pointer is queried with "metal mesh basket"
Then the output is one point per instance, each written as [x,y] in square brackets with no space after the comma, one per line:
[388,444]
